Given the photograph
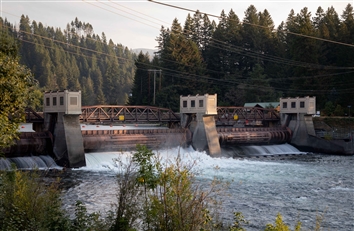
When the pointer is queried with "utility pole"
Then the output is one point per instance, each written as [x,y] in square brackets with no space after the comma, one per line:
[349,106]
[154,70]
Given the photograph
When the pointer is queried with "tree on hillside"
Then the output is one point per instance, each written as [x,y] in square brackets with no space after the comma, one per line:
[345,57]
[327,26]
[251,39]
[254,92]
[303,49]
[208,29]
[15,80]
[181,62]
[223,55]
[142,84]
[67,59]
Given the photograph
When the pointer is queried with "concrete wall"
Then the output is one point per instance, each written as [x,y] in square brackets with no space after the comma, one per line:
[68,143]
[206,104]
[74,141]
[205,136]
[304,137]
[305,105]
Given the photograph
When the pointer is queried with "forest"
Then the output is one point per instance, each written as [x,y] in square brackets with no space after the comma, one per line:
[249,60]
[75,59]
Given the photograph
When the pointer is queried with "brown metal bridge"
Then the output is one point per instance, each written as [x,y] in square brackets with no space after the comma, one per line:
[149,114]
[252,114]
[133,114]
[143,114]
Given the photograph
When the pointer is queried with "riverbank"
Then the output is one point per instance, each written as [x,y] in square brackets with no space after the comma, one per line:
[330,124]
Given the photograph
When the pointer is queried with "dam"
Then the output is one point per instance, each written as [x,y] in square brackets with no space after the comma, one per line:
[66,130]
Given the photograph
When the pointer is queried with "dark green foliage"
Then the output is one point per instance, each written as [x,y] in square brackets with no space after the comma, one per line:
[168,97]
[253,62]
[142,91]
[329,108]
[27,203]
[16,82]
[76,59]
[308,55]
[163,195]
[146,167]
[338,111]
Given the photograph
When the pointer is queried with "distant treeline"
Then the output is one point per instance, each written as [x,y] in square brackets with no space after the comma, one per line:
[251,61]
[76,59]
[241,61]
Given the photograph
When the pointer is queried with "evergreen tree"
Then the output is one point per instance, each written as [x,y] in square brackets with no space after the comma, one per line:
[207,29]
[223,55]
[197,29]
[345,57]
[302,49]
[182,58]
[188,27]
[236,56]
[254,92]
[88,93]
[141,91]
[251,39]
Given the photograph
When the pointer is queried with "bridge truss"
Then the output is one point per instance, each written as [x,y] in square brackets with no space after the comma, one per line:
[247,113]
[134,114]
[148,114]
[33,116]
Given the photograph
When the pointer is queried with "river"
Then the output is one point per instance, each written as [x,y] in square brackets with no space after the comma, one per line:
[264,181]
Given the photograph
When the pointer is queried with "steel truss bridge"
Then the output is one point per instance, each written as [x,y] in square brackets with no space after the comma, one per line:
[251,114]
[133,114]
[149,114]
[136,114]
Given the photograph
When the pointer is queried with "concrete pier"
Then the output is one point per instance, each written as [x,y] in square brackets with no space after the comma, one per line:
[197,113]
[68,145]
[61,118]
[296,114]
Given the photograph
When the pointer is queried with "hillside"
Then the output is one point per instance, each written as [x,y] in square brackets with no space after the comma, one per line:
[76,59]
[329,123]
[145,50]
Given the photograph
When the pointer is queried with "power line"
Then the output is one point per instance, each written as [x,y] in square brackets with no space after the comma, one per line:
[251,24]
[89,2]
[94,51]
[241,50]
[167,70]
[250,53]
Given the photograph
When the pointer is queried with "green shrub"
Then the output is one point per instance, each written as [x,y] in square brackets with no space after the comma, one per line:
[338,111]
[280,226]
[238,221]
[26,203]
[170,198]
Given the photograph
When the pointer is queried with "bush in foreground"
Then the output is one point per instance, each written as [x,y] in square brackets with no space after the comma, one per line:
[26,203]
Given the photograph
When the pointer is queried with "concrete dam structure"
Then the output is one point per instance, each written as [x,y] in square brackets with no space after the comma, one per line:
[296,114]
[67,130]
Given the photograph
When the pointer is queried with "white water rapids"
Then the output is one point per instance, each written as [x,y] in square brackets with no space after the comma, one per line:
[266,181]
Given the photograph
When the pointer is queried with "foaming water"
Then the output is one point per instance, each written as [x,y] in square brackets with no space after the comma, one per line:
[260,150]
[298,186]
[28,162]
[5,164]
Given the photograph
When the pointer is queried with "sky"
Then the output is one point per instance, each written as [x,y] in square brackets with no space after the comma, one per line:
[136,24]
